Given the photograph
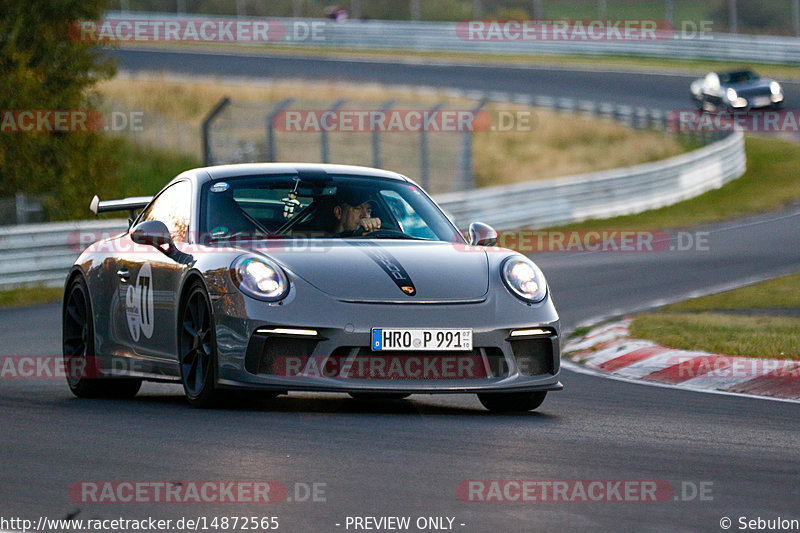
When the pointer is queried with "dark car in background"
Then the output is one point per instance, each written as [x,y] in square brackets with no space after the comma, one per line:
[739,90]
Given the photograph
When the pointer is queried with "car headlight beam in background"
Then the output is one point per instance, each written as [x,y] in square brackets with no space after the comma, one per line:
[259,278]
[524,279]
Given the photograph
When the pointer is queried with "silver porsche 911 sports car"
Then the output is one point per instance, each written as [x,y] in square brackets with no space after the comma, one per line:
[299,277]
[739,90]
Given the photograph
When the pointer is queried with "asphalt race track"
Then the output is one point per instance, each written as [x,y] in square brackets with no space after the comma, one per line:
[407,458]
[649,89]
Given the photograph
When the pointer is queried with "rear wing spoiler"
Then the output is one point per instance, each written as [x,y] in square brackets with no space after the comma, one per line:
[131,205]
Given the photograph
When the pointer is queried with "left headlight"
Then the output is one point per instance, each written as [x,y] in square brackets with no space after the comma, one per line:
[260,278]
[524,279]
[775,88]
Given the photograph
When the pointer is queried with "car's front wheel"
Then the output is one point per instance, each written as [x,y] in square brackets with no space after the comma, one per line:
[80,363]
[515,402]
[197,348]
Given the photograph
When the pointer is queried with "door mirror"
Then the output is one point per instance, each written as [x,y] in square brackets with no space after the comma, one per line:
[153,233]
[481,234]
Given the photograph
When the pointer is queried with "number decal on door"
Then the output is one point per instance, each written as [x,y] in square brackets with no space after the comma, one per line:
[139,304]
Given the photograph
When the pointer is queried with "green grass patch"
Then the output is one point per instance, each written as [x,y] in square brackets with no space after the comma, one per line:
[579,332]
[144,170]
[780,293]
[702,323]
[30,296]
[750,336]
[769,184]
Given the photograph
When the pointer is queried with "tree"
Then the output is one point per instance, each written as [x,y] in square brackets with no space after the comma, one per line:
[44,69]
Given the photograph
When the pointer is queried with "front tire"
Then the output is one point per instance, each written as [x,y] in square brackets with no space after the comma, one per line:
[197,348]
[515,402]
[77,344]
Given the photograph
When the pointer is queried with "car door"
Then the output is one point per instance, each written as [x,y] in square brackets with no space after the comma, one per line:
[149,280]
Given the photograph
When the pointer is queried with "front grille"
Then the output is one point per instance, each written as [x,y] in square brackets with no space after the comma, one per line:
[355,362]
[534,355]
[272,354]
[750,93]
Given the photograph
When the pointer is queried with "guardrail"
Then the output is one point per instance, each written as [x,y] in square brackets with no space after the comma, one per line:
[40,254]
[682,43]
[603,194]
[443,37]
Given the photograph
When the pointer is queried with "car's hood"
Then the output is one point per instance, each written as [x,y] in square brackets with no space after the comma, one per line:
[386,270]
[760,83]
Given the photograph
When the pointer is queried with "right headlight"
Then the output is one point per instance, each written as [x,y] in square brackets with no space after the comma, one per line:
[260,278]
[732,94]
[524,279]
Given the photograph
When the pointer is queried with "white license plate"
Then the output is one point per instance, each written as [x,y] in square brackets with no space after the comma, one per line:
[451,340]
[762,101]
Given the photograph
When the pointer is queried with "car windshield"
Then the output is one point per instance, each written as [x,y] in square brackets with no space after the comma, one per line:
[743,76]
[278,206]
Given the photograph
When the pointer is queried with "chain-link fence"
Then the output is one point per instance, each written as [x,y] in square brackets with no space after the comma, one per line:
[432,144]
[149,129]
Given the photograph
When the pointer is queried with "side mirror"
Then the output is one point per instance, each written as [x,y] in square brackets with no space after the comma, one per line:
[153,233]
[481,234]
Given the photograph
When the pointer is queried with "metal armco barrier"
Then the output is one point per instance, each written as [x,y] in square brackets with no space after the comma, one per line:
[40,254]
[685,41]
[602,194]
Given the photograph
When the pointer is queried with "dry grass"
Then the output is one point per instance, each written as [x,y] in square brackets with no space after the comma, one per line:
[555,145]
[560,145]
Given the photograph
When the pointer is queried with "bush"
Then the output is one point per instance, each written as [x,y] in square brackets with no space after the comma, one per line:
[44,69]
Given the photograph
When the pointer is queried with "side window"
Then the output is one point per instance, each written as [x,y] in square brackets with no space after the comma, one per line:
[173,208]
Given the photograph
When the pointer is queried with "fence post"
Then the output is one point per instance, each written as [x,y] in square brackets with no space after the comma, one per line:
[465,179]
[424,158]
[271,147]
[22,208]
[323,141]
[208,157]
[376,138]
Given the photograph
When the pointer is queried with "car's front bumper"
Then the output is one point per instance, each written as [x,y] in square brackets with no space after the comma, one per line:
[324,345]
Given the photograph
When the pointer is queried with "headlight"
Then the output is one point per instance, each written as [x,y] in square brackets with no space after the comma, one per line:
[775,87]
[524,279]
[732,95]
[259,278]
